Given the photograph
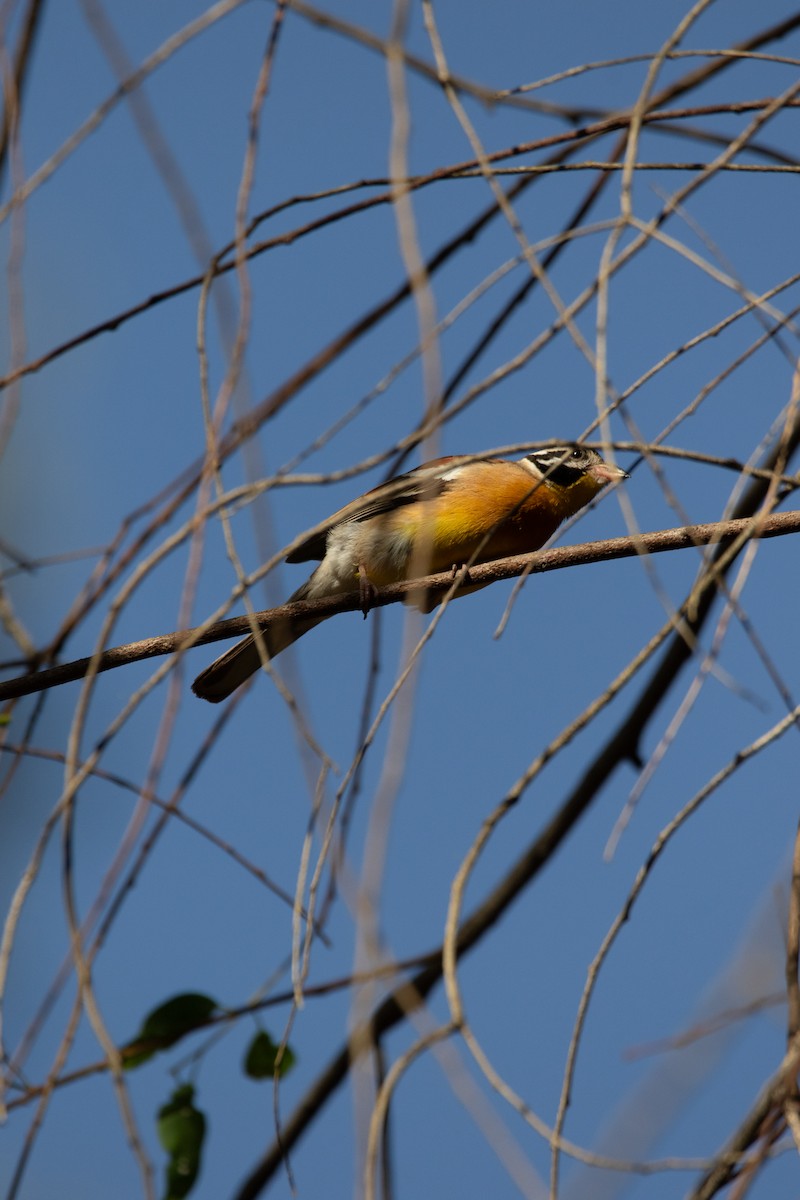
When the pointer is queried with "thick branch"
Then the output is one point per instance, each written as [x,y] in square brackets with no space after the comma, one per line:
[775,525]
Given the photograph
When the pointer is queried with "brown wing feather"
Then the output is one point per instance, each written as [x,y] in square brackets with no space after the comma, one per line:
[423,482]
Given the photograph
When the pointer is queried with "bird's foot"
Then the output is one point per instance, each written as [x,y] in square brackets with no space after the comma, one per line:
[366,590]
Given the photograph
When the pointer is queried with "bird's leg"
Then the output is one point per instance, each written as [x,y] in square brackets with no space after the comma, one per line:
[462,570]
[366,590]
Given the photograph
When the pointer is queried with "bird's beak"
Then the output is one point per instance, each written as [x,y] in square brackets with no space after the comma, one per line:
[604,473]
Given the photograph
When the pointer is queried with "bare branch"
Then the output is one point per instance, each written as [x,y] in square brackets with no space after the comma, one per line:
[685,538]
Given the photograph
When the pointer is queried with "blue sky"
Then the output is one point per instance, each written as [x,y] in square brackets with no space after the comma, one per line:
[103,429]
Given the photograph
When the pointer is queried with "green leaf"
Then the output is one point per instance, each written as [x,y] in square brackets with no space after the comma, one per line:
[168,1023]
[262,1055]
[181,1129]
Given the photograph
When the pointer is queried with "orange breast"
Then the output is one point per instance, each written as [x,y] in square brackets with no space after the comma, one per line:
[488,510]
[493,503]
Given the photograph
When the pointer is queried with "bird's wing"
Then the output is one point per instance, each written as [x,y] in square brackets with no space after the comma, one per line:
[423,483]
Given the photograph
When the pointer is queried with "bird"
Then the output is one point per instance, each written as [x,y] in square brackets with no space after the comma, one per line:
[447,514]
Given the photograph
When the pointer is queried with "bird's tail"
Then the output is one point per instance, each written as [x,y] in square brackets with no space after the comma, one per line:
[236,665]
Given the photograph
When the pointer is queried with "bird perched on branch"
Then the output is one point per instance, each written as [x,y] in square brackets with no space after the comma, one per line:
[445,514]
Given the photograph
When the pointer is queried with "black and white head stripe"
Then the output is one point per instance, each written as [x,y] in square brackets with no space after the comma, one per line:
[563,465]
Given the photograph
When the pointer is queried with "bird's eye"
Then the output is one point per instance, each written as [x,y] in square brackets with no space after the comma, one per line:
[576,453]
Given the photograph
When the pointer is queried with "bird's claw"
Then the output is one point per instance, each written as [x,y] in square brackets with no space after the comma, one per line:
[366,590]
